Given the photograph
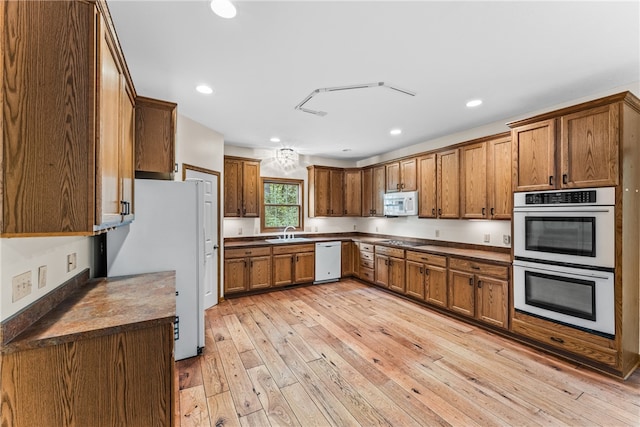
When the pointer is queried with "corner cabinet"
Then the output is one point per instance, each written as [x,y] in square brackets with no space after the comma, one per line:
[81,180]
[241,187]
[373,189]
[155,136]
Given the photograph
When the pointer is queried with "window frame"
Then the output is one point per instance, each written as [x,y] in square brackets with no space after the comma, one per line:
[300,184]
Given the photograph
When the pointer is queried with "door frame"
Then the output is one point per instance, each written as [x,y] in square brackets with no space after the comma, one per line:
[186,167]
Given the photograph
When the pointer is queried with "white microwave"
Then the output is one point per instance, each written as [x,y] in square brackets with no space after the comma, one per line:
[401,204]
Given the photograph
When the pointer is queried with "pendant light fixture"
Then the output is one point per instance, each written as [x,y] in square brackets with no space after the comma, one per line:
[223,8]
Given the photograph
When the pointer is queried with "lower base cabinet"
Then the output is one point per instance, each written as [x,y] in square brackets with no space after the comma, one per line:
[247,269]
[426,276]
[293,264]
[124,378]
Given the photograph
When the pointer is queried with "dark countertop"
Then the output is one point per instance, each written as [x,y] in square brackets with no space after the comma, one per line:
[488,255]
[103,307]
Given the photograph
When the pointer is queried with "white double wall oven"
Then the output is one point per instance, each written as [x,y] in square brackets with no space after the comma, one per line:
[564,257]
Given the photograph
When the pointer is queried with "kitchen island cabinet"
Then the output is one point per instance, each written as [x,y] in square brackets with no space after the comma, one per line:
[102,357]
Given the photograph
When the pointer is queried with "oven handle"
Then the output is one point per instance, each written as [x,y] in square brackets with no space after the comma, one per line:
[560,270]
[547,210]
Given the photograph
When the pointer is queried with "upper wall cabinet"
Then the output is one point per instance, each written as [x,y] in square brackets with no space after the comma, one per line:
[241,187]
[155,136]
[373,189]
[448,186]
[67,120]
[427,187]
[576,147]
[402,175]
[352,192]
[325,191]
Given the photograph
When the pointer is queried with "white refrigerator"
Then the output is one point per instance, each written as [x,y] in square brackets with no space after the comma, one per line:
[167,234]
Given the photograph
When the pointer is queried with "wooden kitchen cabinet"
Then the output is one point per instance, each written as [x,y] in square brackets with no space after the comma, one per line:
[427,187]
[448,185]
[366,262]
[373,190]
[402,175]
[347,259]
[389,268]
[479,290]
[155,136]
[247,269]
[65,120]
[352,192]
[499,191]
[534,156]
[293,264]
[473,181]
[241,187]
[326,191]
[427,277]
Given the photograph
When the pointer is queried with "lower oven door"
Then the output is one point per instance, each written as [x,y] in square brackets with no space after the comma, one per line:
[576,297]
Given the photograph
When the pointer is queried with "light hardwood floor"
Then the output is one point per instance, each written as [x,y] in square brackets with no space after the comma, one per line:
[346,354]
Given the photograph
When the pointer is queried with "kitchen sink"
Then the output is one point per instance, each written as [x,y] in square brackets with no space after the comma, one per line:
[289,240]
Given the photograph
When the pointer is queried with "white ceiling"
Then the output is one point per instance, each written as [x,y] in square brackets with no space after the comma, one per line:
[516,56]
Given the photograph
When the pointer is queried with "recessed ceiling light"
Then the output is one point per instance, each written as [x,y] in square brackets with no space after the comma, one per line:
[474,103]
[395,132]
[275,139]
[223,8]
[204,89]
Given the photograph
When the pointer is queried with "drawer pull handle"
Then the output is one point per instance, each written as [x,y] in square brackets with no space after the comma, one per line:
[471,281]
[475,267]
[558,340]
[479,283]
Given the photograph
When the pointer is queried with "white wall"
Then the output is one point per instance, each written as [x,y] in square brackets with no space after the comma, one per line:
[198,145]
[20,255]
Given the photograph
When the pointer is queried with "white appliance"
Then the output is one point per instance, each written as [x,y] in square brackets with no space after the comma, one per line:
[574,296]
[328,265]
[401,204]
[568,227]
[167,234]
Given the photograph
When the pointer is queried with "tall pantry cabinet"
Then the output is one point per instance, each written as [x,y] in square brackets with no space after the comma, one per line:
[67,120]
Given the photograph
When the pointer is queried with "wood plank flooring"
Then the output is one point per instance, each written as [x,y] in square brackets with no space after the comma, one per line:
[346,354]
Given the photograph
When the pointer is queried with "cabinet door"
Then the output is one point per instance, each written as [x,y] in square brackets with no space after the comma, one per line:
[473,181]
[427,186]
[408,175]
[589,148]
[304,267]
[232,188]
[353,192]
[283,269]
[250,189]
[378,190]
[155,135]
[492,301]
[337,192]
[448,184]
[393,177]
[322,189]
[108,168]
[382,270]
[462,294]
[234,275]
[346,259]
[367,192]
[415,279]
[436,285]
[534,156]
[499,191]
[259,272]
[396,275]
[126,150]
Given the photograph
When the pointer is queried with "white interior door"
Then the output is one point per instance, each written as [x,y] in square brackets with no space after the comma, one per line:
[211,237]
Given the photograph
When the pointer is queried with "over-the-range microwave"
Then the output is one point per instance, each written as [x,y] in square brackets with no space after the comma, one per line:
[404,203]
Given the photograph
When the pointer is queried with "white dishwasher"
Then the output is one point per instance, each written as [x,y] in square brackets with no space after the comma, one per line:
[328,267]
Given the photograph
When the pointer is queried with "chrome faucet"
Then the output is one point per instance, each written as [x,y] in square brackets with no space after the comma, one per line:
[284,233]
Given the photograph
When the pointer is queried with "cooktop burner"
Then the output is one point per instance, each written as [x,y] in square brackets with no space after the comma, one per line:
[400,243]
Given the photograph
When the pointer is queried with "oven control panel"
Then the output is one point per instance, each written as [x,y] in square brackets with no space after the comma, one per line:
[561,197]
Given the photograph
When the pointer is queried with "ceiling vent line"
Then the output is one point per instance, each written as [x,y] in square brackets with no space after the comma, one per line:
[349,87]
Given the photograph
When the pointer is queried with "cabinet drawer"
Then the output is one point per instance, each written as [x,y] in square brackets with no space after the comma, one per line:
[366,247]
[367,274]
[565,342]
[394,252]
[367,263]
[366,255]
[243,252]
[499,271]
[293,249]
[439,260]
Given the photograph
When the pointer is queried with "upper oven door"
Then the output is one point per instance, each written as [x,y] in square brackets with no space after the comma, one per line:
[567,235]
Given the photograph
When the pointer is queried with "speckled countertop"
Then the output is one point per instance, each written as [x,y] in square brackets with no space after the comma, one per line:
[476,254]
[102,307]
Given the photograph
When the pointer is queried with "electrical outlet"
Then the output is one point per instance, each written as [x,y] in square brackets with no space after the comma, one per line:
[239,231]
[354,227]
[21,285]
[42,276]
[487,238]
[506,239]
[437,233]
[71,262]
